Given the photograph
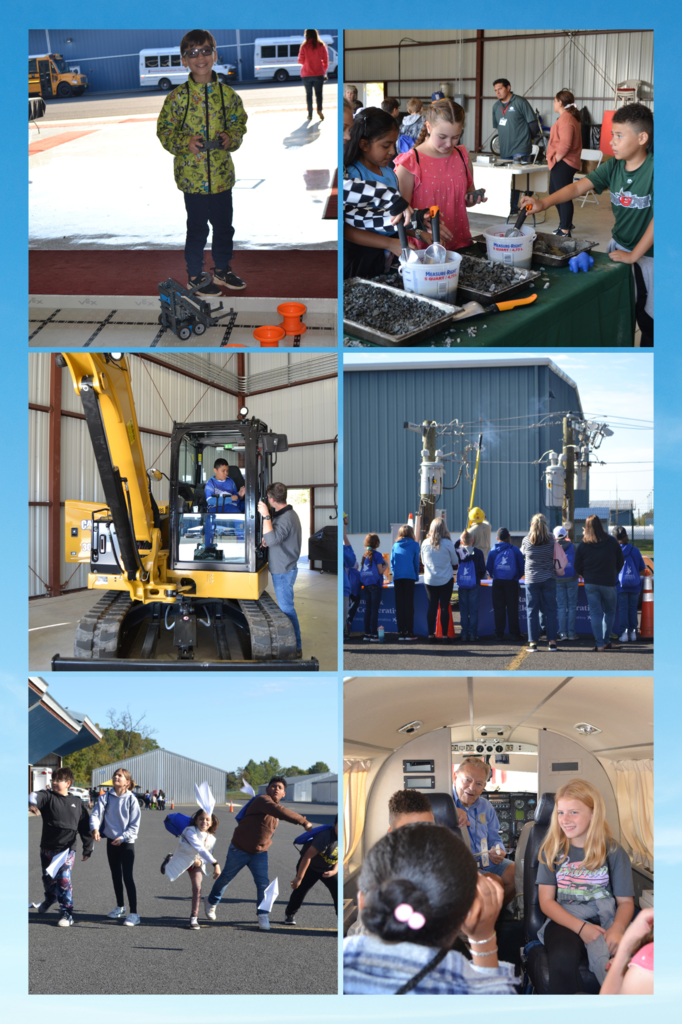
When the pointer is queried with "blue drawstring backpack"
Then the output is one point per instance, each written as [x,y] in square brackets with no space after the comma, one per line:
[466,575]
[628,577]
[306,838]
[504,566]
[240,814]
[176,823]
[405,143]
[369,572]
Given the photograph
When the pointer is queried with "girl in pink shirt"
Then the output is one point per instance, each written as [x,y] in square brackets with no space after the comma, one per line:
[563,154]
[437,172]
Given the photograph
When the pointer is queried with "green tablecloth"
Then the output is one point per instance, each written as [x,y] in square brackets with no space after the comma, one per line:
[593,309]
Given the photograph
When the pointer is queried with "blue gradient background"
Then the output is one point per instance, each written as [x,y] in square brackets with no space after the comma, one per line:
[665,19]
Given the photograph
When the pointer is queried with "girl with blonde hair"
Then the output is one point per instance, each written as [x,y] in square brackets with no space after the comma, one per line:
[116,818]
[437,172]
[440,561]
[585,888]
[544,561]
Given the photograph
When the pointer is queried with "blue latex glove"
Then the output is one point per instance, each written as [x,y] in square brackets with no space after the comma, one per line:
[583,261]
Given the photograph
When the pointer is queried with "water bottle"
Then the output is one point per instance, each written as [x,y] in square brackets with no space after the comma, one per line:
[382,634]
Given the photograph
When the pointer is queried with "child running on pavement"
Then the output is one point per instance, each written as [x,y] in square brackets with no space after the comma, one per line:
[116,816]
[201,122]
[192,854]
[64,817]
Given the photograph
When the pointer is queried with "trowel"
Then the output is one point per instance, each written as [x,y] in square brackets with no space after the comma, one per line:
[472,309]
[435,253]
[402,235]
[514,232]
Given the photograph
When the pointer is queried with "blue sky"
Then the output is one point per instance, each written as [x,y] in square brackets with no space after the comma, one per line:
[222,722]
[614,386]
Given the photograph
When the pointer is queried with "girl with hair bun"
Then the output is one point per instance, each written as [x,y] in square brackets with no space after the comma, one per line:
[437,172]
[116,817]
[585,888]
[418,889]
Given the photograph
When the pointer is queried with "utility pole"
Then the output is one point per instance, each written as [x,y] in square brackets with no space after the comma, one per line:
[427,501]
[569,499]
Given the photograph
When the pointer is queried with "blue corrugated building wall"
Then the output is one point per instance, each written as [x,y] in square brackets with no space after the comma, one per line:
[381,459]
[110,57]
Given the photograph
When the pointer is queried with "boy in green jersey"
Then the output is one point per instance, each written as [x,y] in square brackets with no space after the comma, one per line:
[629,178]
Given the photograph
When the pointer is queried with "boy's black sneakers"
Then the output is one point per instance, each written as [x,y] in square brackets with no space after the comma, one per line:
[228,279]
[206,291]
[290,919]
[65,921]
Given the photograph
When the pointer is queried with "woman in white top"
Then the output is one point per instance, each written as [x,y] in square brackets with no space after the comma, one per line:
[192,854]
[440,562]
[116,816]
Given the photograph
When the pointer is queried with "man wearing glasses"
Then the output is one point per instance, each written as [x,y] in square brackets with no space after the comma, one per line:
[478,816]
[201,122]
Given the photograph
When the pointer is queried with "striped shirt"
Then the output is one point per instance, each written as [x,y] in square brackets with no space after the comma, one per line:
[539,561]
[374,967]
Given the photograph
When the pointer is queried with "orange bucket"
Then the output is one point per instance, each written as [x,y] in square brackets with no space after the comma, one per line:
[292,313]
[268,337]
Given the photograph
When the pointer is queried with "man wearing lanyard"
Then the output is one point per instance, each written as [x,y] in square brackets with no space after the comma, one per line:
[516,124]
[478,816]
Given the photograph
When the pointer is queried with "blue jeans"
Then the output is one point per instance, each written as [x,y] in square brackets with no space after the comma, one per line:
[469,599]
[602,604]
[257,863]
[567,605]
[315,82]
[203,207]
[283,582]
[541,596]
[372,597]
[627,609]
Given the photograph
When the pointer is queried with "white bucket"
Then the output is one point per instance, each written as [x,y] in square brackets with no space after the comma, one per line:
[518,251]
[435,280]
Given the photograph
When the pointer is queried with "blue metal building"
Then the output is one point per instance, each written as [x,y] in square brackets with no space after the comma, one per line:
[507,400]
[109,57]
[53,729]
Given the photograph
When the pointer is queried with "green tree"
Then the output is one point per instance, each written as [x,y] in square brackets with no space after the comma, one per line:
[124,737]
[294,770]
[318,768]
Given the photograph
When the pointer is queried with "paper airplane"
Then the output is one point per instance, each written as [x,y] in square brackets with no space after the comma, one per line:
[246,788]
[57,862]
[205,797]
[271,894]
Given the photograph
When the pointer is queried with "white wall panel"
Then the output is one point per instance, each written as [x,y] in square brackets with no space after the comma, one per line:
[37,549]
[39,379]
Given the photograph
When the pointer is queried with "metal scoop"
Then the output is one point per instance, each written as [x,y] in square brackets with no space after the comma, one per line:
[435,253]
[402,235]
[514,232]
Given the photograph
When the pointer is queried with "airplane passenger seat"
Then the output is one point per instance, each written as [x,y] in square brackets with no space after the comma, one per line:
[445,813]
[537,966]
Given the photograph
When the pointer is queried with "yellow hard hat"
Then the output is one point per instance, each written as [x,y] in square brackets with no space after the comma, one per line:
[476,515]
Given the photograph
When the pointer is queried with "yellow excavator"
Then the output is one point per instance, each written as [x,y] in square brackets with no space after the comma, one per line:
[182,583]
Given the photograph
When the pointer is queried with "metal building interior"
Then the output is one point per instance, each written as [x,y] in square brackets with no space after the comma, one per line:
[294,393]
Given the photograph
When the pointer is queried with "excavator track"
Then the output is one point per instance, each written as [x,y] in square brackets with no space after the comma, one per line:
[272,633]
[99,631]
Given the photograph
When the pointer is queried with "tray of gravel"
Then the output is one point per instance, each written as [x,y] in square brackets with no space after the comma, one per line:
[389,316]
[487,281]
[551,250]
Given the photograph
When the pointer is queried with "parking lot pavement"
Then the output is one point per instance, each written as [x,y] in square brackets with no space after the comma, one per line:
[161,955]
[492,655]
[102,180]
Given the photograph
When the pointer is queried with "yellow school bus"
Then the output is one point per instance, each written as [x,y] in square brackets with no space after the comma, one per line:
[48,76]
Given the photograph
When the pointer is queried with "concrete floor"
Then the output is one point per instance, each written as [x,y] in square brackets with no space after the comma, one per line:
[52,622]
[113,186]
[110,322]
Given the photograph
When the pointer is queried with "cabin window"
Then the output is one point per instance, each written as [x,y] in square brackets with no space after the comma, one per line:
[267,51]
[164,61]
[151,62]
[176,60]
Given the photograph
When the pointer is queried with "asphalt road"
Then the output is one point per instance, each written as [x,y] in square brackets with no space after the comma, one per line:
[162,955]
[263,96]
[492,655]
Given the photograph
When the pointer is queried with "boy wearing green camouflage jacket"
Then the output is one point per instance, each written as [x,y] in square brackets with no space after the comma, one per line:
[201,122]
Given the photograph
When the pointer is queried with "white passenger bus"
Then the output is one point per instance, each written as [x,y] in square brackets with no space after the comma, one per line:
[278,57]
[533,735]
[162,69]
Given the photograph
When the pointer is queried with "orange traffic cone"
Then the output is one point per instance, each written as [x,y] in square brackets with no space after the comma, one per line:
[646,629]
[231,807]
[451,625]
[172,805]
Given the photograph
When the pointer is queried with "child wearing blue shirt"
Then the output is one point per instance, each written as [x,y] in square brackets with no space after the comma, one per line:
[222,495]
[629,585]
[405,572]
[470,572]
[505,566]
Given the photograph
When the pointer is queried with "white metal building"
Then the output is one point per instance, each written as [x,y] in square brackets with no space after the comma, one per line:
[174,774]
[310,789]
[538,63]
[294,393]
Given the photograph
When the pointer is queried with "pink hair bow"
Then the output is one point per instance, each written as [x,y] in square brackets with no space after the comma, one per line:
[406,915]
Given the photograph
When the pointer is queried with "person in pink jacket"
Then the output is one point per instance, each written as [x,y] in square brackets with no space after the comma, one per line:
[563,154]
[314,60]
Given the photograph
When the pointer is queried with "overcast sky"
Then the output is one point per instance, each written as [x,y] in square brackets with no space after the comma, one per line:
[215,719]
[613,386]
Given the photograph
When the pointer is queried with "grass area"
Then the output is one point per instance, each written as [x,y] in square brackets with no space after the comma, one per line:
[646,547]
[235,794]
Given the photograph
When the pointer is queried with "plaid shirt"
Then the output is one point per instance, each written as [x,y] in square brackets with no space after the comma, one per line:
[373,967]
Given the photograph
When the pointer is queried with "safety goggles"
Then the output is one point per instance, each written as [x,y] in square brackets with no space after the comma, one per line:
[205,51]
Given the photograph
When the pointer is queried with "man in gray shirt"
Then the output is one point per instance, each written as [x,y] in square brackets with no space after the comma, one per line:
[282,537]
[516,124]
